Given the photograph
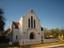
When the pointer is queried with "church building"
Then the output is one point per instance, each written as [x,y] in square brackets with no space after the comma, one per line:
[27,30]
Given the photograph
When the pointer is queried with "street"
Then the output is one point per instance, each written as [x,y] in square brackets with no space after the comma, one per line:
[58,47]
[53,46]
[40,46]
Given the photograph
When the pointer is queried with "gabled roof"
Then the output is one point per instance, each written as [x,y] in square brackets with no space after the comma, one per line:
[7,31]
[16,24]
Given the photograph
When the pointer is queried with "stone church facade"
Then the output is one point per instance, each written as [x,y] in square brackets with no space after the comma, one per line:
[27,30]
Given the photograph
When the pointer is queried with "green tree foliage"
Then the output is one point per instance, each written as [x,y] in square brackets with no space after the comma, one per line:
[47,33]
[62,32]
[55,32]
[3,39]
[2,23]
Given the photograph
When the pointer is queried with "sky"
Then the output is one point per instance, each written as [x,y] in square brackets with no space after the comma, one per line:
[50,12]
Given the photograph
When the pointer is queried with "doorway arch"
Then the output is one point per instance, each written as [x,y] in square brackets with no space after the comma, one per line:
[31,35]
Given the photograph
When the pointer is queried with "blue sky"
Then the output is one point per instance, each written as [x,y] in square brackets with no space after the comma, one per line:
[50,12]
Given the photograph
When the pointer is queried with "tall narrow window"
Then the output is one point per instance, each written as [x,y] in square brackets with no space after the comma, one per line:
[34,23]
[31,22]
[16,37]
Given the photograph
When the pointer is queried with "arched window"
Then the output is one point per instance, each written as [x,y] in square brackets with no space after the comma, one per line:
[41,28]
[31,21]
[32,35]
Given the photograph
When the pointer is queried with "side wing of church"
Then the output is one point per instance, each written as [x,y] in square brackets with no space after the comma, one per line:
[27,30]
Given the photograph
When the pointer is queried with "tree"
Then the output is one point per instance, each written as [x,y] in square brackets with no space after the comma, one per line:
[2,23]
[3,38]
[47,33]
[62,32]
[55,32]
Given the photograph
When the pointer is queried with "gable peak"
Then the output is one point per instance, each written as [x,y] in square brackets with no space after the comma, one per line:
[31,11]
